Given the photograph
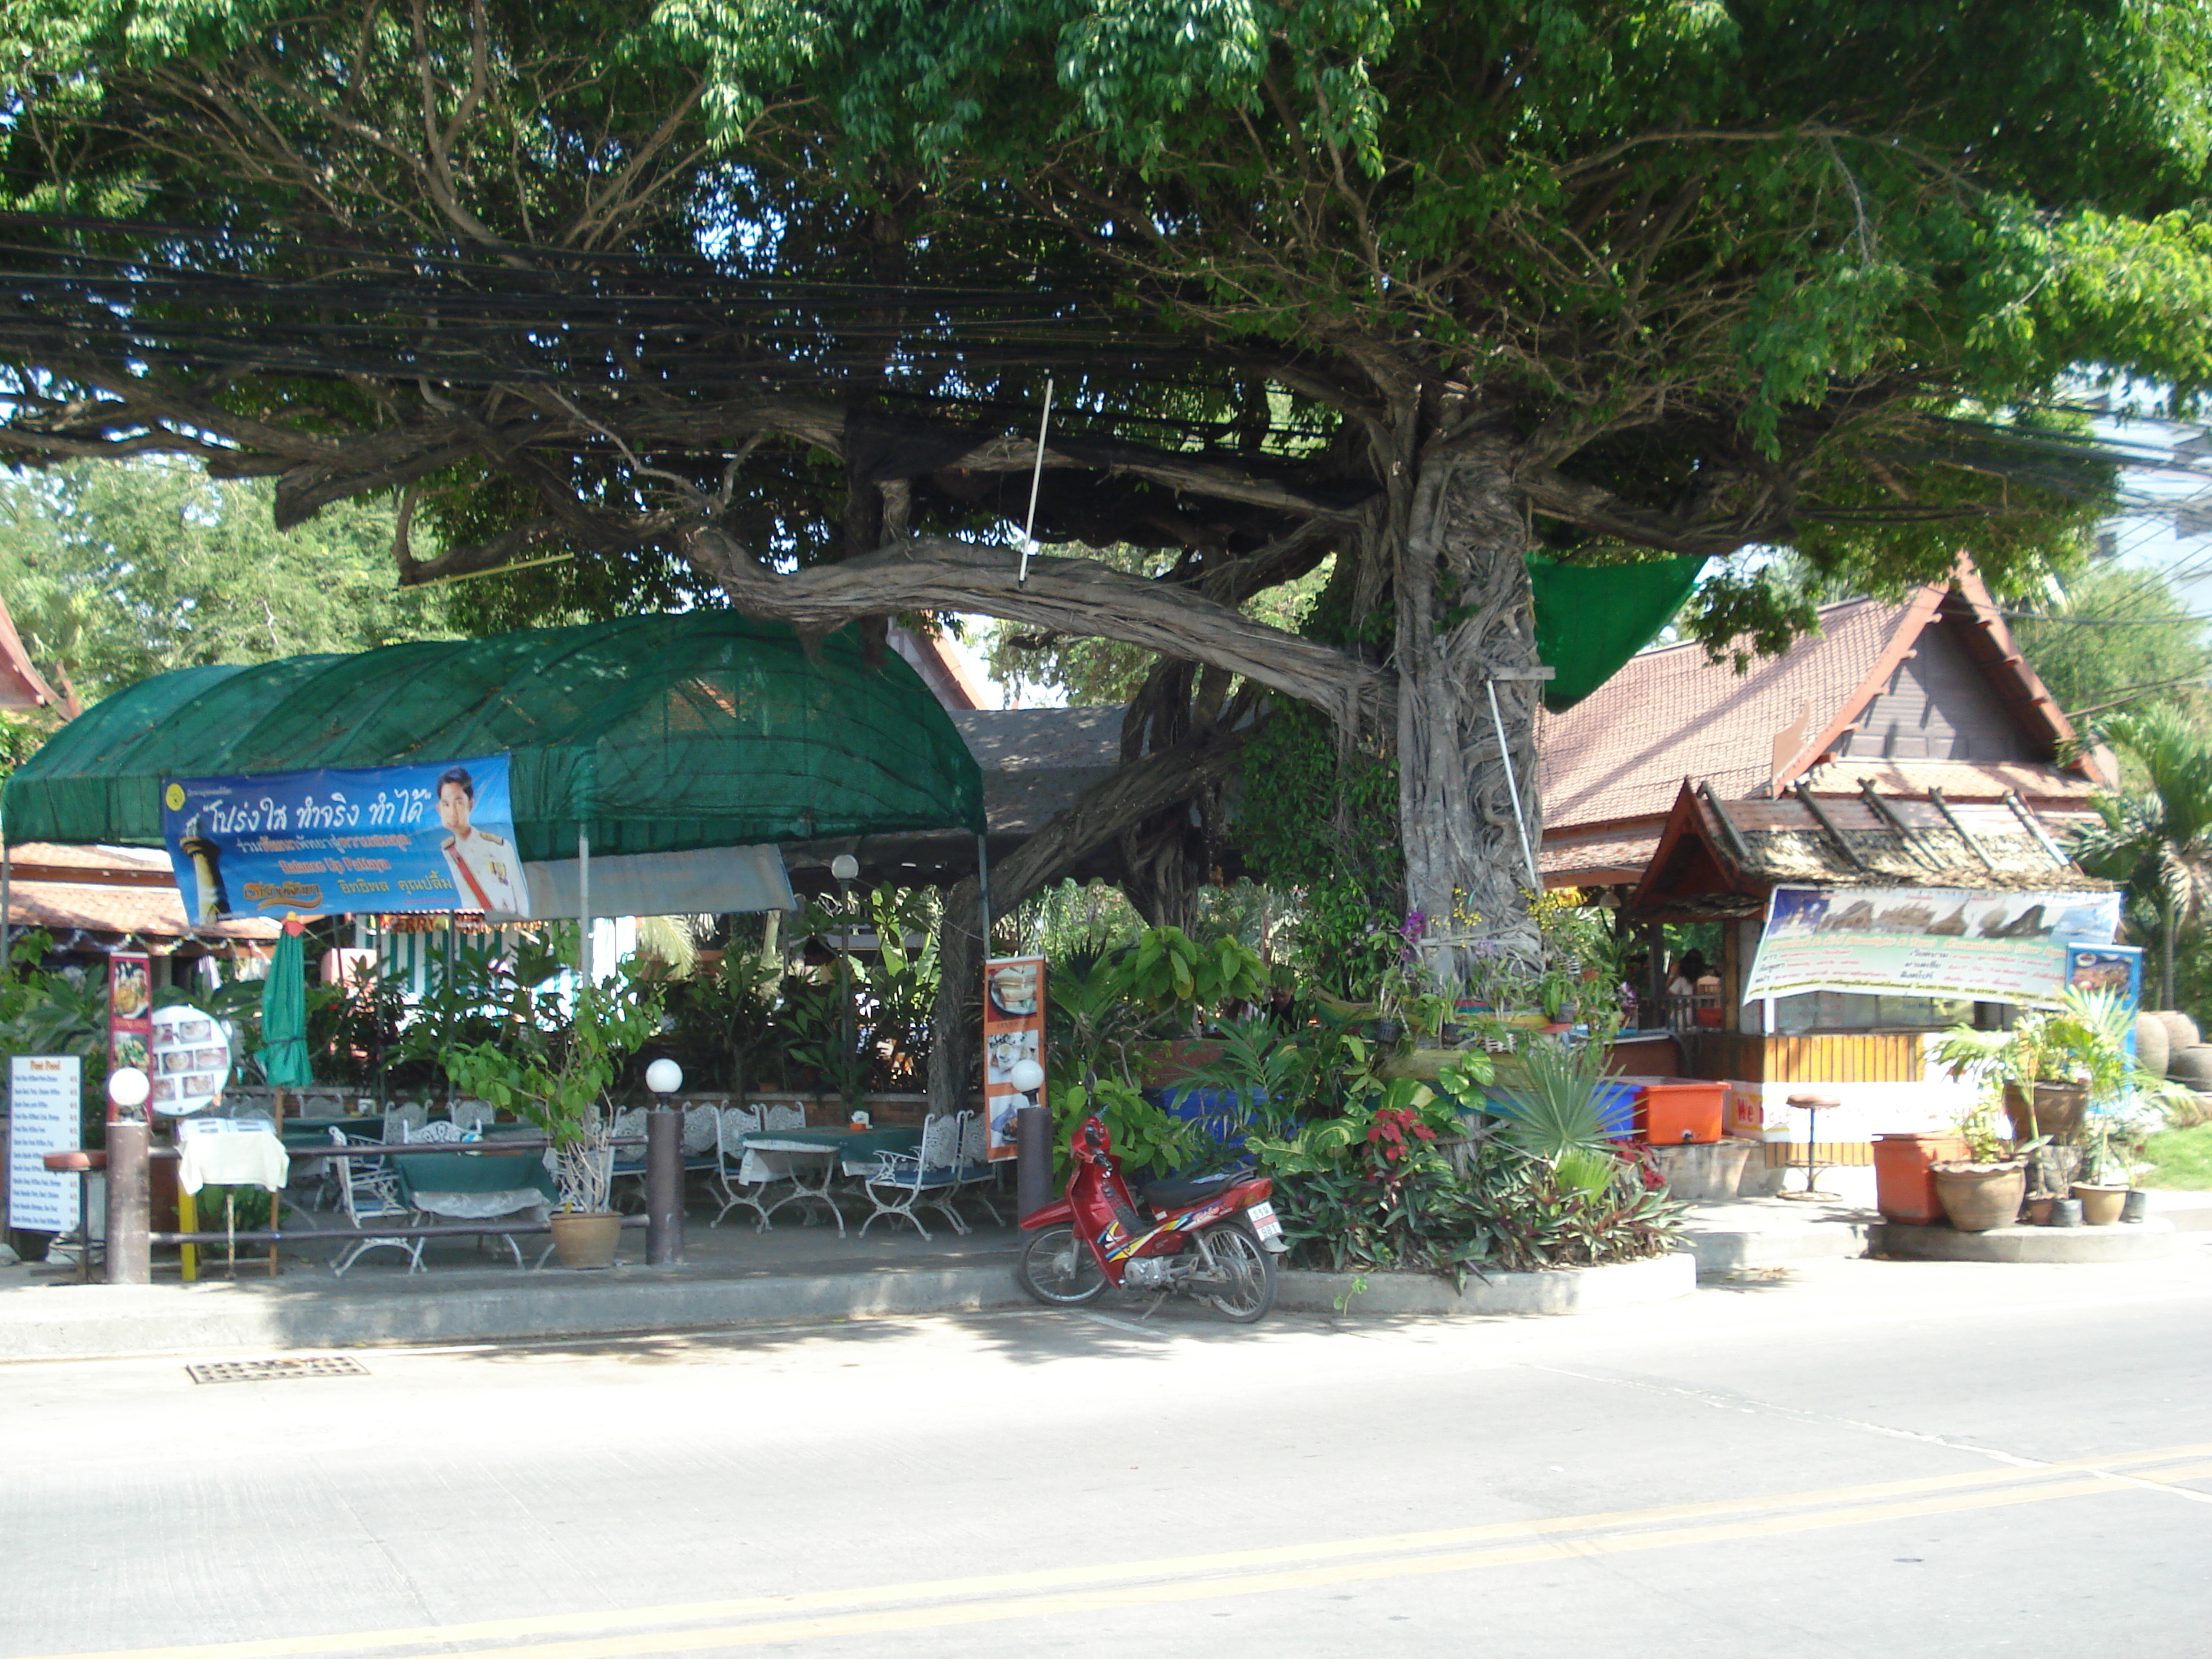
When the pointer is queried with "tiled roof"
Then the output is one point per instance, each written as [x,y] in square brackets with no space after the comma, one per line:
[108,890]
[1622,752]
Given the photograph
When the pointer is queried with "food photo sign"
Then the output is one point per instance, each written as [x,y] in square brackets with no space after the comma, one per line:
[1927,941]
[130,1019]
[191,1055]
[434,838]
[1014,1045]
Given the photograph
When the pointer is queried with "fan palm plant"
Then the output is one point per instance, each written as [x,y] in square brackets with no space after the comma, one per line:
[2157,838]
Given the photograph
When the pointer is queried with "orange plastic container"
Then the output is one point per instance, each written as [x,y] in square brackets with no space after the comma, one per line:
[1672,1110]
[1905,1173]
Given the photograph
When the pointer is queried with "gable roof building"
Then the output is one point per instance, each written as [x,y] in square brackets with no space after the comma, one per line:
[1930,693]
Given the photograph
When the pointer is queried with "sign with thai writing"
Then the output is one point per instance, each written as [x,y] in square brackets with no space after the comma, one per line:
[1014,1045]
[43,1116]
[1926,941]
[326,843]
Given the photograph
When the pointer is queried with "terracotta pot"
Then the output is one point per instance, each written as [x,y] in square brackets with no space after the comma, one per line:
[1903,1178]
[2101,1206]
[2038,1211]
[585,1238]
[1977,1197]
[2058,1109]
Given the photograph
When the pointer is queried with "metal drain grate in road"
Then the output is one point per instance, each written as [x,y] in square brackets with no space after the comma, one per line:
[269,1371]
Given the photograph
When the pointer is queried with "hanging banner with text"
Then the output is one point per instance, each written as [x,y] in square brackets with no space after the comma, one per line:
[390,838]
[1013,1044]
[1926,941]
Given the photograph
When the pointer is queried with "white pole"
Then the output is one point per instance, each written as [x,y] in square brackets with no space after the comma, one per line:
[1513,788]
[584,898]
[1036,477]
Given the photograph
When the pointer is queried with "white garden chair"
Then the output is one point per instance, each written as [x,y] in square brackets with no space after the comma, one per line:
[928,1178]
[369,1195]
[738,1184]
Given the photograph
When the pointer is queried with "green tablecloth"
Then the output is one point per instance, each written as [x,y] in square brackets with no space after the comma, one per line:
[472,1172]
[316,1131]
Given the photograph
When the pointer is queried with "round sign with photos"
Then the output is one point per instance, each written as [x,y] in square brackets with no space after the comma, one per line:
[191,1053]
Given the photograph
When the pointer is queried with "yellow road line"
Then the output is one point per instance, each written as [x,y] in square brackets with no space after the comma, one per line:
[1049,1591]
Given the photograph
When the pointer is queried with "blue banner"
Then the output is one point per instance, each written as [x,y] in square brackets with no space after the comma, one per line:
[391,838]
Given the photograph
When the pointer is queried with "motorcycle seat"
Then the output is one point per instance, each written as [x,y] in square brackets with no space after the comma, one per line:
[1174,1192]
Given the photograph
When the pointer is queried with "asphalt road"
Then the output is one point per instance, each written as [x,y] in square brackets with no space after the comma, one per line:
[1868,1458]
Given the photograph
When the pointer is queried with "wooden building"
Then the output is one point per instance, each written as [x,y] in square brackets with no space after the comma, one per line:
[1906,745]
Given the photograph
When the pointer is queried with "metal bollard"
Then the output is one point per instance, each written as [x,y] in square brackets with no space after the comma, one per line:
[664,1187]
[129,1252]
[1032,1159]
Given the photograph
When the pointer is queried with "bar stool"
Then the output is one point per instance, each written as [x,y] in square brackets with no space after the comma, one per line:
[1811,1105]
[83,1165]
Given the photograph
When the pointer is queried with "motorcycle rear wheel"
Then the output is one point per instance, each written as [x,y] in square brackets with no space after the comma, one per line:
[1248,1272]
[1056,1268]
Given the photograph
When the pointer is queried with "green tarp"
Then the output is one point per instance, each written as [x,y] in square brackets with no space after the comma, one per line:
[1591,618]
[657,734]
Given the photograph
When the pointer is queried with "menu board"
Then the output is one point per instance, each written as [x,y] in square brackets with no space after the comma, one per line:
[191,1052]
[45,1093]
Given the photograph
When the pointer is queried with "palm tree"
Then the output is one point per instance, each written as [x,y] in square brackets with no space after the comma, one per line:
[2158,838]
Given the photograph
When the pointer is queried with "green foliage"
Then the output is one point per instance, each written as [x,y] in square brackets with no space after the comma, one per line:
[556,1073]
[2083,1041]
[1374,1189]
[114,573]
[2156,837]
[1546,1095]
[1168,974]
[2180,1158]
[2118,631]
[1147,1138]
[1324,823]
[56,1012]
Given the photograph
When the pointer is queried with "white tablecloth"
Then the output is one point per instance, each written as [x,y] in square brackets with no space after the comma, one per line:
[231,1156]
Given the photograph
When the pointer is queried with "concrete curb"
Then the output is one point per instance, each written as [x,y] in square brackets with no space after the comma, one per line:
[100,1321]
[2143,1241]
[1721,1247]
[1560,1290]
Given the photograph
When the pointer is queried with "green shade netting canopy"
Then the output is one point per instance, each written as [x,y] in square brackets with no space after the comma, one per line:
[654,734]
[1592,619]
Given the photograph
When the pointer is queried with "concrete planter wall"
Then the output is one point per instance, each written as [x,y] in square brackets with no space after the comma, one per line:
[1558,1290]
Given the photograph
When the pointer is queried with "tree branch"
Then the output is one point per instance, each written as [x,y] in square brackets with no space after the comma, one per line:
[1069,596]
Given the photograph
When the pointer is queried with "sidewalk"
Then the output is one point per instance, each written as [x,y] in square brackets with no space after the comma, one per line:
[731,1275]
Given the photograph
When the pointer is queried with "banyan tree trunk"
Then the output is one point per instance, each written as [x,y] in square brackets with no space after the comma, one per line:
[1469,687]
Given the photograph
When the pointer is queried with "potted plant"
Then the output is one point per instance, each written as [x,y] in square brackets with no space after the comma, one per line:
[558,1080]
[1984,1189]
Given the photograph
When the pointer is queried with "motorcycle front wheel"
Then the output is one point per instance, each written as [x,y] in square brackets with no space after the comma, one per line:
[1054,1267]
[1247,1272]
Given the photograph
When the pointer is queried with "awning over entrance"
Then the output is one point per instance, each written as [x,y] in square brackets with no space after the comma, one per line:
[653,734]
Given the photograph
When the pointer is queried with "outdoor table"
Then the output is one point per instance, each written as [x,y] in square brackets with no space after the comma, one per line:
[472,1185]
[231,1152]
[850,1149]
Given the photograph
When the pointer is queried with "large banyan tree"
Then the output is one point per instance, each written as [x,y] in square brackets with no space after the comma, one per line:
[759,299]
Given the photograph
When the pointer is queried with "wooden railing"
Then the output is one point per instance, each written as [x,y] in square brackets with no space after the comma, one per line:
[1836,1057]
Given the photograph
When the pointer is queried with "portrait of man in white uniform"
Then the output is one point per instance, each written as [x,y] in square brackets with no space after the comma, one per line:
[484,867]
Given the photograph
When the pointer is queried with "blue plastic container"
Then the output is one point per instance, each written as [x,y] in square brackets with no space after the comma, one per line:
[1220,1116]
[1616,1108]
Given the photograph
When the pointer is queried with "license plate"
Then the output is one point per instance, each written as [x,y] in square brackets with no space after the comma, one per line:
[1262,1218]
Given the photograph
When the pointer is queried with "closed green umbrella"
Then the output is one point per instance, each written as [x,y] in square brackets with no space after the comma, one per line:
[284,1016]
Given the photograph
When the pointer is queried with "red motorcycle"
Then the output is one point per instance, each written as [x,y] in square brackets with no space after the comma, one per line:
[1214,1237]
